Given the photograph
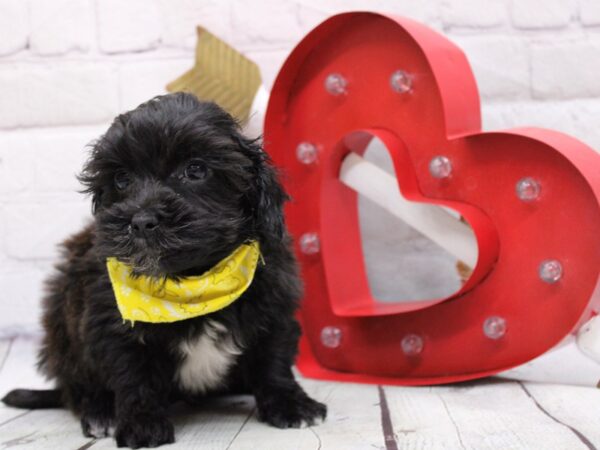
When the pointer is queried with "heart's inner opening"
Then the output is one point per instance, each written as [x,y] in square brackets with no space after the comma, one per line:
[402,263]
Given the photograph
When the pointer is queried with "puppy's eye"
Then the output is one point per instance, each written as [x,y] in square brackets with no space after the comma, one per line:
[122,180]
[195,171]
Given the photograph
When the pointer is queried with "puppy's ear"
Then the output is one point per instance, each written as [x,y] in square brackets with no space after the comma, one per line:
[87,180]
[90,177]
[96,200]
[267,195]
[99,164]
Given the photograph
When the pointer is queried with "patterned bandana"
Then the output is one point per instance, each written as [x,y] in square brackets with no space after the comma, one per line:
[147,299]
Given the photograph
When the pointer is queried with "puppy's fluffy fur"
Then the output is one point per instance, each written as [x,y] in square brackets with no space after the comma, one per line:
[184,166]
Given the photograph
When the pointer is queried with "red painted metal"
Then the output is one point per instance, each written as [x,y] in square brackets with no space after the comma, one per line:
[440,116]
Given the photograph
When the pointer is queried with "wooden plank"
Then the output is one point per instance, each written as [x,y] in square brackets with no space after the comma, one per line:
[215,424]
[17,369]
[6,414]
[575,407]
[480,415]
[258,435]
[353,422]
[5,345]
[43,429]
[420,419]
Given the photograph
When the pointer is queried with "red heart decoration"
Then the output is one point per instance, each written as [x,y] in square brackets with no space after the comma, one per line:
[347,334]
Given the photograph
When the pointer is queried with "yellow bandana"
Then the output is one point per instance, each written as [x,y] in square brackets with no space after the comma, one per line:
[147,299]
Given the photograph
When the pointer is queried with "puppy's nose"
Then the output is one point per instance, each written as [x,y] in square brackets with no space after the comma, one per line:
[143,222]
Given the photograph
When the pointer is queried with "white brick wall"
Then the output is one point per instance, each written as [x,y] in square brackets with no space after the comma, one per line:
[543,14]
[68,66]
[60,26]
[478,14]
[131,26]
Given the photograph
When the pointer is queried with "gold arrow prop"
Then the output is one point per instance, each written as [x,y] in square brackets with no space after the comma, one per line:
[221,74]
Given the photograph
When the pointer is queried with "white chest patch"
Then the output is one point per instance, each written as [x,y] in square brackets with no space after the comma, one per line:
[207,359]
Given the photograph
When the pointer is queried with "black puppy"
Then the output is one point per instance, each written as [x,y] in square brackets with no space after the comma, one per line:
[175,189]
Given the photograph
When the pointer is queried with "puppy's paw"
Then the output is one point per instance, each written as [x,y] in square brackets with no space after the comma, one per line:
[97,425]
[291,411]
[98,417]
[144,430]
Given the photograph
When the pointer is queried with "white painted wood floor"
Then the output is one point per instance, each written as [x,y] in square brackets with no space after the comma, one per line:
[488,414]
